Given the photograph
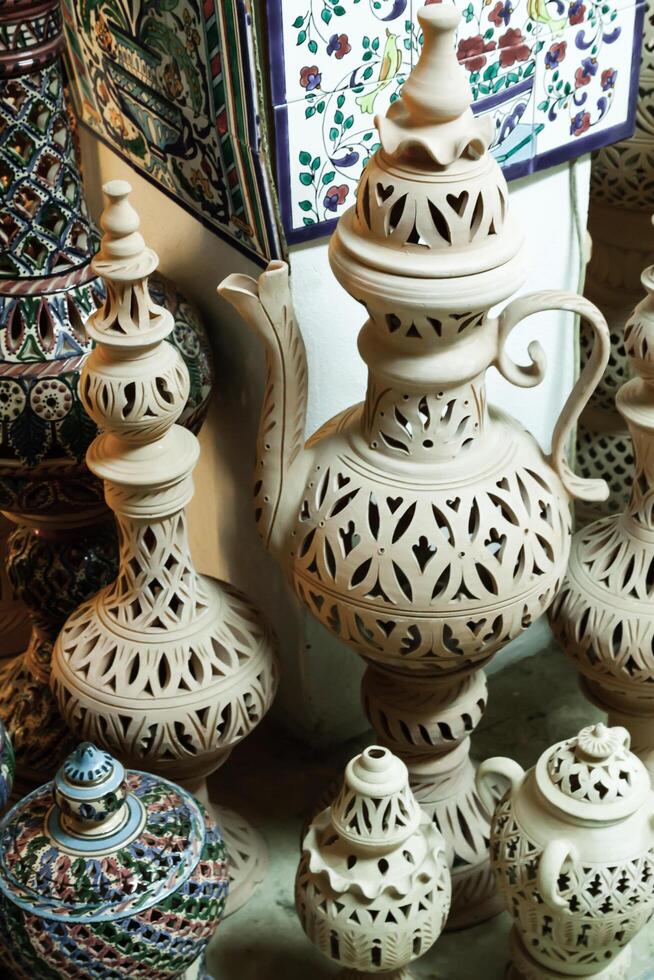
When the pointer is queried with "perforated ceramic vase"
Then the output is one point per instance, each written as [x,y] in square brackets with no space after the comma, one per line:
[107,874]
[373,889]
[572,849]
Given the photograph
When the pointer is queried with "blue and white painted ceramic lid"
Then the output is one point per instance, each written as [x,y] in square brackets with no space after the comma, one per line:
[99,843]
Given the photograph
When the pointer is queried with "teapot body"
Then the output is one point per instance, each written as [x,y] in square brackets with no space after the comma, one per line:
[429,565]
[572,850]
[606,887]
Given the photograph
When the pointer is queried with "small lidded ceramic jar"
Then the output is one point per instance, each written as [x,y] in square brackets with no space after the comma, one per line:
[572,848]
[124,875]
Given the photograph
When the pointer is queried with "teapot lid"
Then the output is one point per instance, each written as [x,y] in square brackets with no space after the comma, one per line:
[594,776]
[99,843]
[432,202]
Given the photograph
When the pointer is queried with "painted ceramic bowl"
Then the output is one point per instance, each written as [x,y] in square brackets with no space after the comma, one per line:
[124,876]
[7,766]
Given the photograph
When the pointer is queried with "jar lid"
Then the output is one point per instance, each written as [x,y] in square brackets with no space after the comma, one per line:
[594,776]
[99,843]
[376,808]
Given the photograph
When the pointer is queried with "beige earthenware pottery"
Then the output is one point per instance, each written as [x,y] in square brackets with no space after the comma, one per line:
[373,888]
[423,527]
[572,849]
[604,614]
[621,201]
[165,668]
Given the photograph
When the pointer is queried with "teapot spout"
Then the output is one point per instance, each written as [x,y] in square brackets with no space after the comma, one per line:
[266,306]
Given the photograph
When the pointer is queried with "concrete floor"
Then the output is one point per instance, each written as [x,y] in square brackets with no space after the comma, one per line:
[274,781]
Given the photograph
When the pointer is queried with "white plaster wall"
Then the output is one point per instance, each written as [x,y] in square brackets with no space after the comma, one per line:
[319,695]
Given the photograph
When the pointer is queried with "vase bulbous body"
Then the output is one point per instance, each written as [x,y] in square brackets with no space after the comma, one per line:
[572,849]
[604,614]
[423,527]
[106,873]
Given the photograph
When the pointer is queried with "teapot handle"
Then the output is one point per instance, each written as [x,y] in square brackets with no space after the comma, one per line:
[553,858]
[490,770]
[526,376]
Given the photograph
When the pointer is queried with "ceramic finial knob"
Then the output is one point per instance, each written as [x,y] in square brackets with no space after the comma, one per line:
[373,888]
[376,810]
[437,89]
[124,258]
[90,790]
[431,122]
[120,223]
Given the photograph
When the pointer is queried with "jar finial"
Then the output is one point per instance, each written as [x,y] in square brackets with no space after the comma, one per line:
[91,799]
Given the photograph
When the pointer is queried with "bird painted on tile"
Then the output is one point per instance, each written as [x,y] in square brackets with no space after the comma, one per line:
[391,62]
[537,10]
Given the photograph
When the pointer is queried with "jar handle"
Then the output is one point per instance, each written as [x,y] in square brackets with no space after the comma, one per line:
[493,769]
[553,858]
[526,376]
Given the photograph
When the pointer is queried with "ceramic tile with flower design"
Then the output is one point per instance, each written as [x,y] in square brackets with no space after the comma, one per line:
[342,61]
[583,82]
[171,85]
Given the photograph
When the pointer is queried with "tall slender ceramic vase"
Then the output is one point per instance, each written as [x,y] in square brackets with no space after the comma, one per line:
[64,548]
[621,201]
[423,527]
[604,614]
[166,668]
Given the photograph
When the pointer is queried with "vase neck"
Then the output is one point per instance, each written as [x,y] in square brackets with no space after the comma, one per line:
[637,405]
[157,588]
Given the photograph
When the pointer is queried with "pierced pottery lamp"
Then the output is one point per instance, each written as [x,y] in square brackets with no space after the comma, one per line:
[373,888]
[166,668]
[423,527]
[108,873]
[604,614]
[572,848]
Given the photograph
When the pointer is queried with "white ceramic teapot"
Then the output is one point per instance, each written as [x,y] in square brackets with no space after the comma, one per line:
[572,849]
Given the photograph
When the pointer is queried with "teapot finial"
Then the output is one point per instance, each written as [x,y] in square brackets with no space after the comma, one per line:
[433,115]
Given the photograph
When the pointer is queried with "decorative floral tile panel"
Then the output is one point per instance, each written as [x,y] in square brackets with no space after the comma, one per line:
[559,78]
[171,85]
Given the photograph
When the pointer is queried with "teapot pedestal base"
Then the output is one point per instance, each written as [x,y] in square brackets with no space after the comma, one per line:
[523,967]
[427,722]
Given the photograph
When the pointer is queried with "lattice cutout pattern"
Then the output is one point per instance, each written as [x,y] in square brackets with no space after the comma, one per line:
[187,700]
[424,428]
[428,215]
[387,568]
[606,904]
[44,227]
[604,614]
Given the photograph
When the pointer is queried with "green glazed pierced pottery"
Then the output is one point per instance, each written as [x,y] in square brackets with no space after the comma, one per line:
[7,766]
[107,874]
